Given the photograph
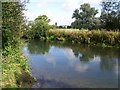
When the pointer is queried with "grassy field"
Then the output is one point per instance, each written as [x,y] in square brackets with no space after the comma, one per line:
[94,37]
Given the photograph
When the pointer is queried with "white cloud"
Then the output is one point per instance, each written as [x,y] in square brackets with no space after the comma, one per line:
[43,4]
[63,15]
[29,15]
[98,15]
[49,14]
[92,2]
[62,20]
[71,5]
[40,1]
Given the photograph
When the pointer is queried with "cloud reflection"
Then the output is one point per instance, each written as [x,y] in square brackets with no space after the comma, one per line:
[50,59]
[74,61]
[69,54]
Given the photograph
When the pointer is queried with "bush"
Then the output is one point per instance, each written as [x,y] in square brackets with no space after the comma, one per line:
[85,36]
[37,28]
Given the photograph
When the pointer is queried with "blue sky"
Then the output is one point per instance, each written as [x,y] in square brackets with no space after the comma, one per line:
[59,11]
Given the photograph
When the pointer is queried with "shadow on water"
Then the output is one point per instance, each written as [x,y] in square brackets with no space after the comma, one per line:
[24,79]
[46,83]
[90,62]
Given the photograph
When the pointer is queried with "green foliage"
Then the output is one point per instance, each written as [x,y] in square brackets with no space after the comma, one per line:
[14,64]
[85,17]
[110,15]
[42,18]
[13,22]
[15,69]
[38,27]
[29,33]
[93,37]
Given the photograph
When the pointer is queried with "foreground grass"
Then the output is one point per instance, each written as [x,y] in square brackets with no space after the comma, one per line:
[94,37]
[15,70]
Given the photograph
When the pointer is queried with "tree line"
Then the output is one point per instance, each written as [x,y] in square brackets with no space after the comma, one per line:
[85,18]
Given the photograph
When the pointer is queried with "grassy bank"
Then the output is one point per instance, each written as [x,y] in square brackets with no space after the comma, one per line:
[94,37]
[15,70]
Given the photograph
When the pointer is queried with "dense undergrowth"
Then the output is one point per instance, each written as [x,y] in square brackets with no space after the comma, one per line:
[15,70]
[94,37]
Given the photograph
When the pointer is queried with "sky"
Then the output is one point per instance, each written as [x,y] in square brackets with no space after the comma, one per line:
[59,11]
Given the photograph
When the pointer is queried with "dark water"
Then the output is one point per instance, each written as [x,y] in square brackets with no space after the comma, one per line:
[64,65]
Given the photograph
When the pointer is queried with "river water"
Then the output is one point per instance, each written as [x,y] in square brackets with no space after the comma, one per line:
[63,65]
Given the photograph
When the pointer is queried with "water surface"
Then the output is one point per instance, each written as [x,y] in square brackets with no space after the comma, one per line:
[63,65]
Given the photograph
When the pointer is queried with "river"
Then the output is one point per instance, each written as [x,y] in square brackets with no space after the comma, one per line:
[63,65]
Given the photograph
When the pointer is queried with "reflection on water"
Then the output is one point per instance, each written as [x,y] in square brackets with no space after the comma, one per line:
[56,64]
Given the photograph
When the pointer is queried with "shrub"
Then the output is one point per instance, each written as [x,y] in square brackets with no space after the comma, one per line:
[85,36]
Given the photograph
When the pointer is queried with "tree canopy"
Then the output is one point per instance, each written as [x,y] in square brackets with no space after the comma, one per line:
[109,18]
[110,15]
[84,17]
[38,27]
[13,22]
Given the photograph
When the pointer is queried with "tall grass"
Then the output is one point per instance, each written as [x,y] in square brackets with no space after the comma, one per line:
[85,36]
[15,70]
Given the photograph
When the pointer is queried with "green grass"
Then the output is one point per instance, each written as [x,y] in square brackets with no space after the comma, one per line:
[15,70]
[94,37]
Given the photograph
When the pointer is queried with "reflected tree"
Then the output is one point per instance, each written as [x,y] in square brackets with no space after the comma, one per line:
[76,53]
[86,57]
[107,55]
[86,54]
[38,47]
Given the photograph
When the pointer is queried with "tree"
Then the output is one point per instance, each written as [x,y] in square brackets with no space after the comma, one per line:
[42,18]
[110,15]
[84,17]
[13,22]
[38,27]
[29,32]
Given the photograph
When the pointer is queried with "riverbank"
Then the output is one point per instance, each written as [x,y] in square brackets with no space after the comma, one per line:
[15,70]
[94,37]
